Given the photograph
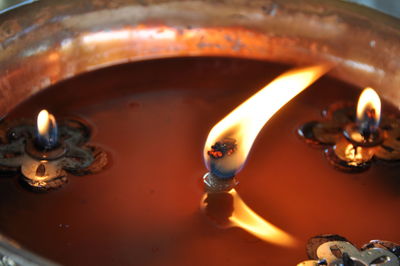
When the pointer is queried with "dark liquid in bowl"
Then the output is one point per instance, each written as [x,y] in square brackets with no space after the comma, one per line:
[153,117]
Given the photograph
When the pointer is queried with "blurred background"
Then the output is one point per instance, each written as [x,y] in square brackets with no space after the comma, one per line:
[390,7]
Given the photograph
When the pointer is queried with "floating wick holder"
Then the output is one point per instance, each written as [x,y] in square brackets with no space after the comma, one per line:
[43,169]
[345,146]
[217,184]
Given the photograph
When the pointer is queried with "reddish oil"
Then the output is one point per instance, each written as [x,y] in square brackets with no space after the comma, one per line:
[153,117]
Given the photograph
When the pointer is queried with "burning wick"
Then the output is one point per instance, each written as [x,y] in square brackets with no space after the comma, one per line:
[222,148]
[47,132]
[365,132]
[229,141]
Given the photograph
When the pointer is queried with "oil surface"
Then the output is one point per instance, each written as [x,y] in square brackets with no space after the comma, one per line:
[153,117]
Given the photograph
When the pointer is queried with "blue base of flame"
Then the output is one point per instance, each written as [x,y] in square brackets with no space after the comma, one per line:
[221,174]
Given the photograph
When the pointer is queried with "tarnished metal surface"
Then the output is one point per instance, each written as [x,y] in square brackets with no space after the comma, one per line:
[8,5]
[13,255]
[48,41]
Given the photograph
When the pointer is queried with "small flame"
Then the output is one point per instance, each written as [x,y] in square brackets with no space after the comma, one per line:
[45,121]
[46,129]
[369,109]
[230,140]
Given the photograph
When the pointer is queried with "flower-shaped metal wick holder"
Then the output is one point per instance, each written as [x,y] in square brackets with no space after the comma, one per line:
[344,146]
[47,169]
[335,250]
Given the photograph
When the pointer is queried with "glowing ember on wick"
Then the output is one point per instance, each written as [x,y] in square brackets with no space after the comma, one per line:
[229,141]
[47,131]
[222,148]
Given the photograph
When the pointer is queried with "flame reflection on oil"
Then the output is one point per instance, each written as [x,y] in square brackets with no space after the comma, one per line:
[238,214]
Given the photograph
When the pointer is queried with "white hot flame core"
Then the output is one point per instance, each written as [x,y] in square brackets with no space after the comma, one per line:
[245,122]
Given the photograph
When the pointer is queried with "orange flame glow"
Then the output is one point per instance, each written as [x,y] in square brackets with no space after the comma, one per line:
[247,219]
[243,124]
[45,121]
[369,107]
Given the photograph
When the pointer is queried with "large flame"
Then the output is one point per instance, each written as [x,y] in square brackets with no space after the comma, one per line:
[369,108]
[238,130]
[247,219]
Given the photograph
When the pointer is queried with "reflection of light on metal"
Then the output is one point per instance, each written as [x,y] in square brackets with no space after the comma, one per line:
[368,110]
[37,50]
[242,125]
[53,56]
[363,66]
[66,44]
[353,154]
[40,172]
[247,219]
[10,5]
[163,33]
[126,34]
[106,36]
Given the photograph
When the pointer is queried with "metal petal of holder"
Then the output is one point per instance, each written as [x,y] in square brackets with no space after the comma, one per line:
[335,250]
[47,169]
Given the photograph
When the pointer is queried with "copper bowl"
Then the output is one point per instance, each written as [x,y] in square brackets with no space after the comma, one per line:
[48,41]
